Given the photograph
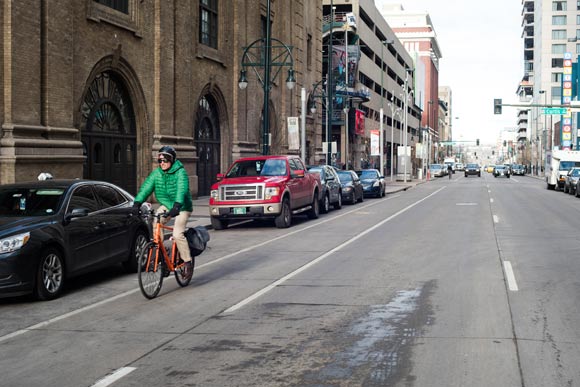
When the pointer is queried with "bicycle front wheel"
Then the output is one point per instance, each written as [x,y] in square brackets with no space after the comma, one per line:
[150,270]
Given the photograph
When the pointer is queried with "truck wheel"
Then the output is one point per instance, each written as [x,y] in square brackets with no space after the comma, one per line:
[315,210]
[285,218]
[219,224]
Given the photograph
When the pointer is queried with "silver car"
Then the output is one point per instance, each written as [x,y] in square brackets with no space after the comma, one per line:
[571,183]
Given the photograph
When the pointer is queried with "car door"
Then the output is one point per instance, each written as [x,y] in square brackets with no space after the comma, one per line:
[115,222]
[85,234]
[298,186]
[333,184]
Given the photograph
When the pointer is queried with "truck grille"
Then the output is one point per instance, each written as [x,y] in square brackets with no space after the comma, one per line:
[242,192]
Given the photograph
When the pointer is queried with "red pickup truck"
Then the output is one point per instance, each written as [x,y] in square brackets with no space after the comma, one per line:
[264,187]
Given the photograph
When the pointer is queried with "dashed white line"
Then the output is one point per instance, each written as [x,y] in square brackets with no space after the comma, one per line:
[112,378]
[495,219]
[510,277]
[491,200]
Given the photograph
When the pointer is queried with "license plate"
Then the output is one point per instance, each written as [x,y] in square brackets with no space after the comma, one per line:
[239,211]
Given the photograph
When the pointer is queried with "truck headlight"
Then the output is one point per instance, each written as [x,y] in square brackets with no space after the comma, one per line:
[271,192]
[13,243]
[214,194]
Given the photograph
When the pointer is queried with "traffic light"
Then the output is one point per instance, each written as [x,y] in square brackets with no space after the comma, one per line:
[477,142]
[504,143]
[497,106]
[492,152]
[475,153]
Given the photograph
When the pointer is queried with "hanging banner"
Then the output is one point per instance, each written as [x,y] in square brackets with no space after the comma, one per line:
[360,123]
[375,145]
[293,133]
[566,136]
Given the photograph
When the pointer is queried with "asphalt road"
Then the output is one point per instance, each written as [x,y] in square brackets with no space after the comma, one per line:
[462,282]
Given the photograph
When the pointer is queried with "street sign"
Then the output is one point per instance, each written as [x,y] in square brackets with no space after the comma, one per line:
[554,111]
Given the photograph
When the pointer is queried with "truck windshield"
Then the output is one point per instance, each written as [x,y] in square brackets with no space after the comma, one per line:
[567,165]
[269,167]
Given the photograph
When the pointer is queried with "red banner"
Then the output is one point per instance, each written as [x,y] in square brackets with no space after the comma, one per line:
[360,122]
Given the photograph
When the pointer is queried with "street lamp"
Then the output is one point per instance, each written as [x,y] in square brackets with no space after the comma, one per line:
[261,54]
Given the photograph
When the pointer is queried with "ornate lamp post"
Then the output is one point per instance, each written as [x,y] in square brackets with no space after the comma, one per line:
[262,54]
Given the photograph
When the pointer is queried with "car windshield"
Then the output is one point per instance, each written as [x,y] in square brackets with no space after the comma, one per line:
[472,166]
[269,167]
[500,167]
[30,201]
[434,166]
[344,176]
[575,172]
[567,165]
[369,175]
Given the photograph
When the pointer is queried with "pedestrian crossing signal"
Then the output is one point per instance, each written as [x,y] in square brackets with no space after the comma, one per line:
[497,106]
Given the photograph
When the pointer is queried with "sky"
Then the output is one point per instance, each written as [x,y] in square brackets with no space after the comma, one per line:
[482,59]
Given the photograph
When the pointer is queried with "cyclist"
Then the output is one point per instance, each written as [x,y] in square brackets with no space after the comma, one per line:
[449,170]
[171,186]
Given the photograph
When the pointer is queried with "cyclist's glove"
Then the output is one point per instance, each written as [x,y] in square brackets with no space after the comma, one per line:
[175,210]
[136,207]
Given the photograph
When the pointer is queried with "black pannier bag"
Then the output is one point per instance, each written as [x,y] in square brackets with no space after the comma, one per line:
[197,238]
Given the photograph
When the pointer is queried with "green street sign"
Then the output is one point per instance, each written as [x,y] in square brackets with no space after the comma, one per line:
[554,111]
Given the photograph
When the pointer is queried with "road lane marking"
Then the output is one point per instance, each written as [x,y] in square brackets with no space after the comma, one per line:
[510,277]
[495,219]
[66,315]
[130,292]
[491,200]
[466,204]
[112,378]
[274,284]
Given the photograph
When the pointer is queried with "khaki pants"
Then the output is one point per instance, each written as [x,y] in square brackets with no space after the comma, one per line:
[178,230]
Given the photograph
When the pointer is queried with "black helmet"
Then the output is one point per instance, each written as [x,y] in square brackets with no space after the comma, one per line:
[168,152]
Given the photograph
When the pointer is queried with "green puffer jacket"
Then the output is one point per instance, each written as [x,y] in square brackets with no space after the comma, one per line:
[170,187]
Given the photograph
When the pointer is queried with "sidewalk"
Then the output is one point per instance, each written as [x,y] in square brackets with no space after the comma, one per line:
[200,214]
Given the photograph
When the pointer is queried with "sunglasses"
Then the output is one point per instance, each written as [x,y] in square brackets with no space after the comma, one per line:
[162,161]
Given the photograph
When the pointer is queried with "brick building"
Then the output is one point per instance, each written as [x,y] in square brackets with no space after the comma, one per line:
[93,88]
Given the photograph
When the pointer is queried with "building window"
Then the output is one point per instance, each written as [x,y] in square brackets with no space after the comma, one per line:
[558,48]
[309,52]
[577,34]
[578,5]
[556,91]
[118,5]
[577,48]
[556,77]
[559,20]
[559,34]
[208,23]
[557,63]
[559,6]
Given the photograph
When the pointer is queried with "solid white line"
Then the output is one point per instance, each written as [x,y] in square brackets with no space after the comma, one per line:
[320,258]
[511,279]
[495,219]
[112,378]
[466,204]
[66,315]
[127,293]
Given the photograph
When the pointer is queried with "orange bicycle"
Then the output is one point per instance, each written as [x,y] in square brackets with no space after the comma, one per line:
[156,263]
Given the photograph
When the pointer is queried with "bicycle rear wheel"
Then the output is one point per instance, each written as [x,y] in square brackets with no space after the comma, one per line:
[150,270]
[180,276]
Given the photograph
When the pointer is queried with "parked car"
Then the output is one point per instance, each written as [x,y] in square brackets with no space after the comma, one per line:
[571,183]
[518,169]
[437,170]
[472,169]
[352,189]
[53,230]
[331,193]
[373,182]
[501,170]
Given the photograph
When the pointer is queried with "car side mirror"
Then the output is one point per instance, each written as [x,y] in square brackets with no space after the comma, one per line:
[77,213]
[219,177]
[297,173]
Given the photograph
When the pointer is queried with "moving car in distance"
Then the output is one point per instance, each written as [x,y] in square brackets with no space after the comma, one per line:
[459,167]
[501,170]
[490,168]
[437,170]
[53,230]
[472,169]
[518,169]
[352,189]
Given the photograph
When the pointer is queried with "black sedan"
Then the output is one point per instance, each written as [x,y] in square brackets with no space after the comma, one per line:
[352,189]
[373,182]
[331,189]
[472,169]
[56,229]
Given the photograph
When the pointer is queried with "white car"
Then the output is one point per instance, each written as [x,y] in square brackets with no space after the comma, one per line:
[459,167]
